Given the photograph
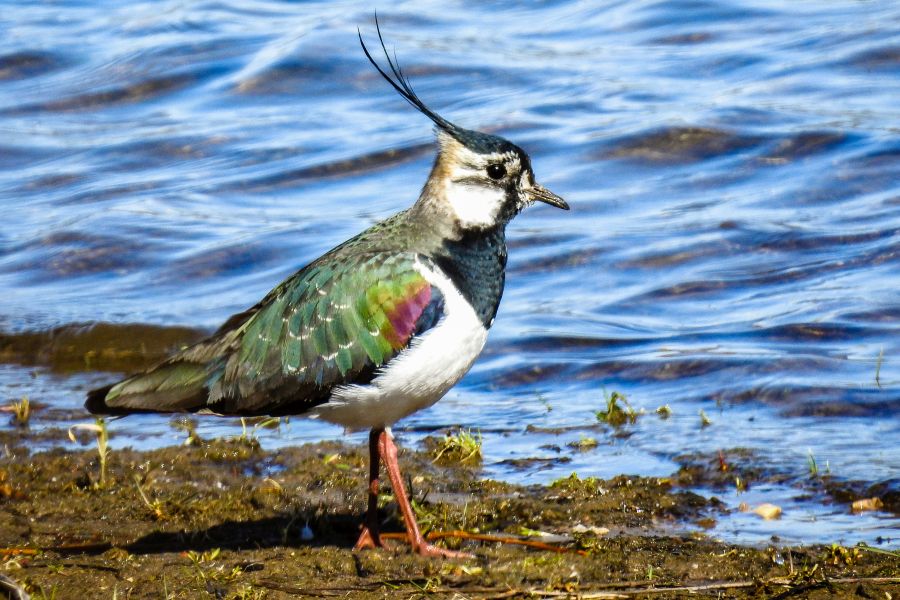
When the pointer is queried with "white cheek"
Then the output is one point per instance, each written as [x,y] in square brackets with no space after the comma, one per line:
[475,206]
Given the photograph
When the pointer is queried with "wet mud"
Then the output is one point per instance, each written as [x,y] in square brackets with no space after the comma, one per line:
[227,519]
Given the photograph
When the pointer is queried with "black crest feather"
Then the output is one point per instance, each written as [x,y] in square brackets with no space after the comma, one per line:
[474,140]
[401,83]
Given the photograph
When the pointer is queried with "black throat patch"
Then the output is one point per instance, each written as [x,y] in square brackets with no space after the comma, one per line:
[476,264]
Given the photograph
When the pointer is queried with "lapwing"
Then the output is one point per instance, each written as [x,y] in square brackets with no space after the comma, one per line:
[374,330]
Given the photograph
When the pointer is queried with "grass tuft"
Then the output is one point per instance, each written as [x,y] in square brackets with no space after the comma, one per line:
[584,443]
[618,411]
[812,464]
[99,429]
[461,447]
[21,412]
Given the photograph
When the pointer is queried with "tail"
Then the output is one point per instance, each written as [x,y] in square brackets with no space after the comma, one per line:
[170,387]
[96,402]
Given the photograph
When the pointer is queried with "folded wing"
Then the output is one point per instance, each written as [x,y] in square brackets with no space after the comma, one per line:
[331,323]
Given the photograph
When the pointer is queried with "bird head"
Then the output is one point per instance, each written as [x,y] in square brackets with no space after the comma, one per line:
[480,180]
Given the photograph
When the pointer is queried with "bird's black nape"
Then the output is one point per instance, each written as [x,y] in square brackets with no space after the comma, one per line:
[401,84]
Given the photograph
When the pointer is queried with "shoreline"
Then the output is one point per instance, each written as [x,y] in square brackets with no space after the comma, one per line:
[227,519]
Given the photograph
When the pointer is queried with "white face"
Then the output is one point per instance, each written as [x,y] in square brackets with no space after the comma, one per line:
[475,205]
[476,199]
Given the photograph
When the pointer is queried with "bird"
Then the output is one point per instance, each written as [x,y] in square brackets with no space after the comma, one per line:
[379,327]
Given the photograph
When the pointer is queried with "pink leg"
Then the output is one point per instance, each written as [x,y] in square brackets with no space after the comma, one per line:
[388,451]
[369,537]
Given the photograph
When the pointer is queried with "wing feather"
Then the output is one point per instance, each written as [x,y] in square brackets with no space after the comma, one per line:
[329,324]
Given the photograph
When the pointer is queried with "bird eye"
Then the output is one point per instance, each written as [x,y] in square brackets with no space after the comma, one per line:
[496,171]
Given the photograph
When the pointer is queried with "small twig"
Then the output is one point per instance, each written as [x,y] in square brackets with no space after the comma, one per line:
[535,593]
[465,535]
[868,548]
[82,548]
[480,537]
[18,551]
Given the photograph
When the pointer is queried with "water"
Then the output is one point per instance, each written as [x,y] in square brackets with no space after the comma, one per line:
[733,168]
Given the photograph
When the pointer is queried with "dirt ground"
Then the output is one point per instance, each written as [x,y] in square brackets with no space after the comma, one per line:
[226,519]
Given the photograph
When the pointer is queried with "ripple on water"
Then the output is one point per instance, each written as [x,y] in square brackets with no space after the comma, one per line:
[157,154]
[134,93]
[805,143]
[68,254]
[795,400]
[16,157]
[351,167]
[550,263]
[687,145]
[684,39]
[661,369]
[733,172]
[313,75]
[885,58]
[58,181]
[218,262]
[885,315]
[680,145]
[26,64]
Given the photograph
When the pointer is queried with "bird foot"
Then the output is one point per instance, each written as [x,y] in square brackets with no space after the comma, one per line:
[426,549]
[368,540]
[382,448]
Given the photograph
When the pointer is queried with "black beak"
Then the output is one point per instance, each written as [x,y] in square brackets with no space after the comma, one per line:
[542,194]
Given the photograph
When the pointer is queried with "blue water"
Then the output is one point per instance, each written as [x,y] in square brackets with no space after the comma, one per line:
[734,244]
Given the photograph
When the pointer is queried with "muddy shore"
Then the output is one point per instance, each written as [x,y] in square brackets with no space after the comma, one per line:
[227,519]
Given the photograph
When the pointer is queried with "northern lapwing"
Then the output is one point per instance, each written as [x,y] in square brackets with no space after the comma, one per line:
[379,327]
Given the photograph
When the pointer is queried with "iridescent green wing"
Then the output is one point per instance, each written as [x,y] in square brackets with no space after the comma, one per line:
[333,323]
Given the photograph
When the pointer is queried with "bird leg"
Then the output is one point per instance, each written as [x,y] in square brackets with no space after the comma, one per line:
[369,537]
[388,451]
[382,448]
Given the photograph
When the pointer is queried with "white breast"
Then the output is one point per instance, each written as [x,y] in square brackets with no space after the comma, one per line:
[420,375]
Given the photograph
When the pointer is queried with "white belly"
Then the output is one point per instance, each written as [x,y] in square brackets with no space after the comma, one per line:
[420,375]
